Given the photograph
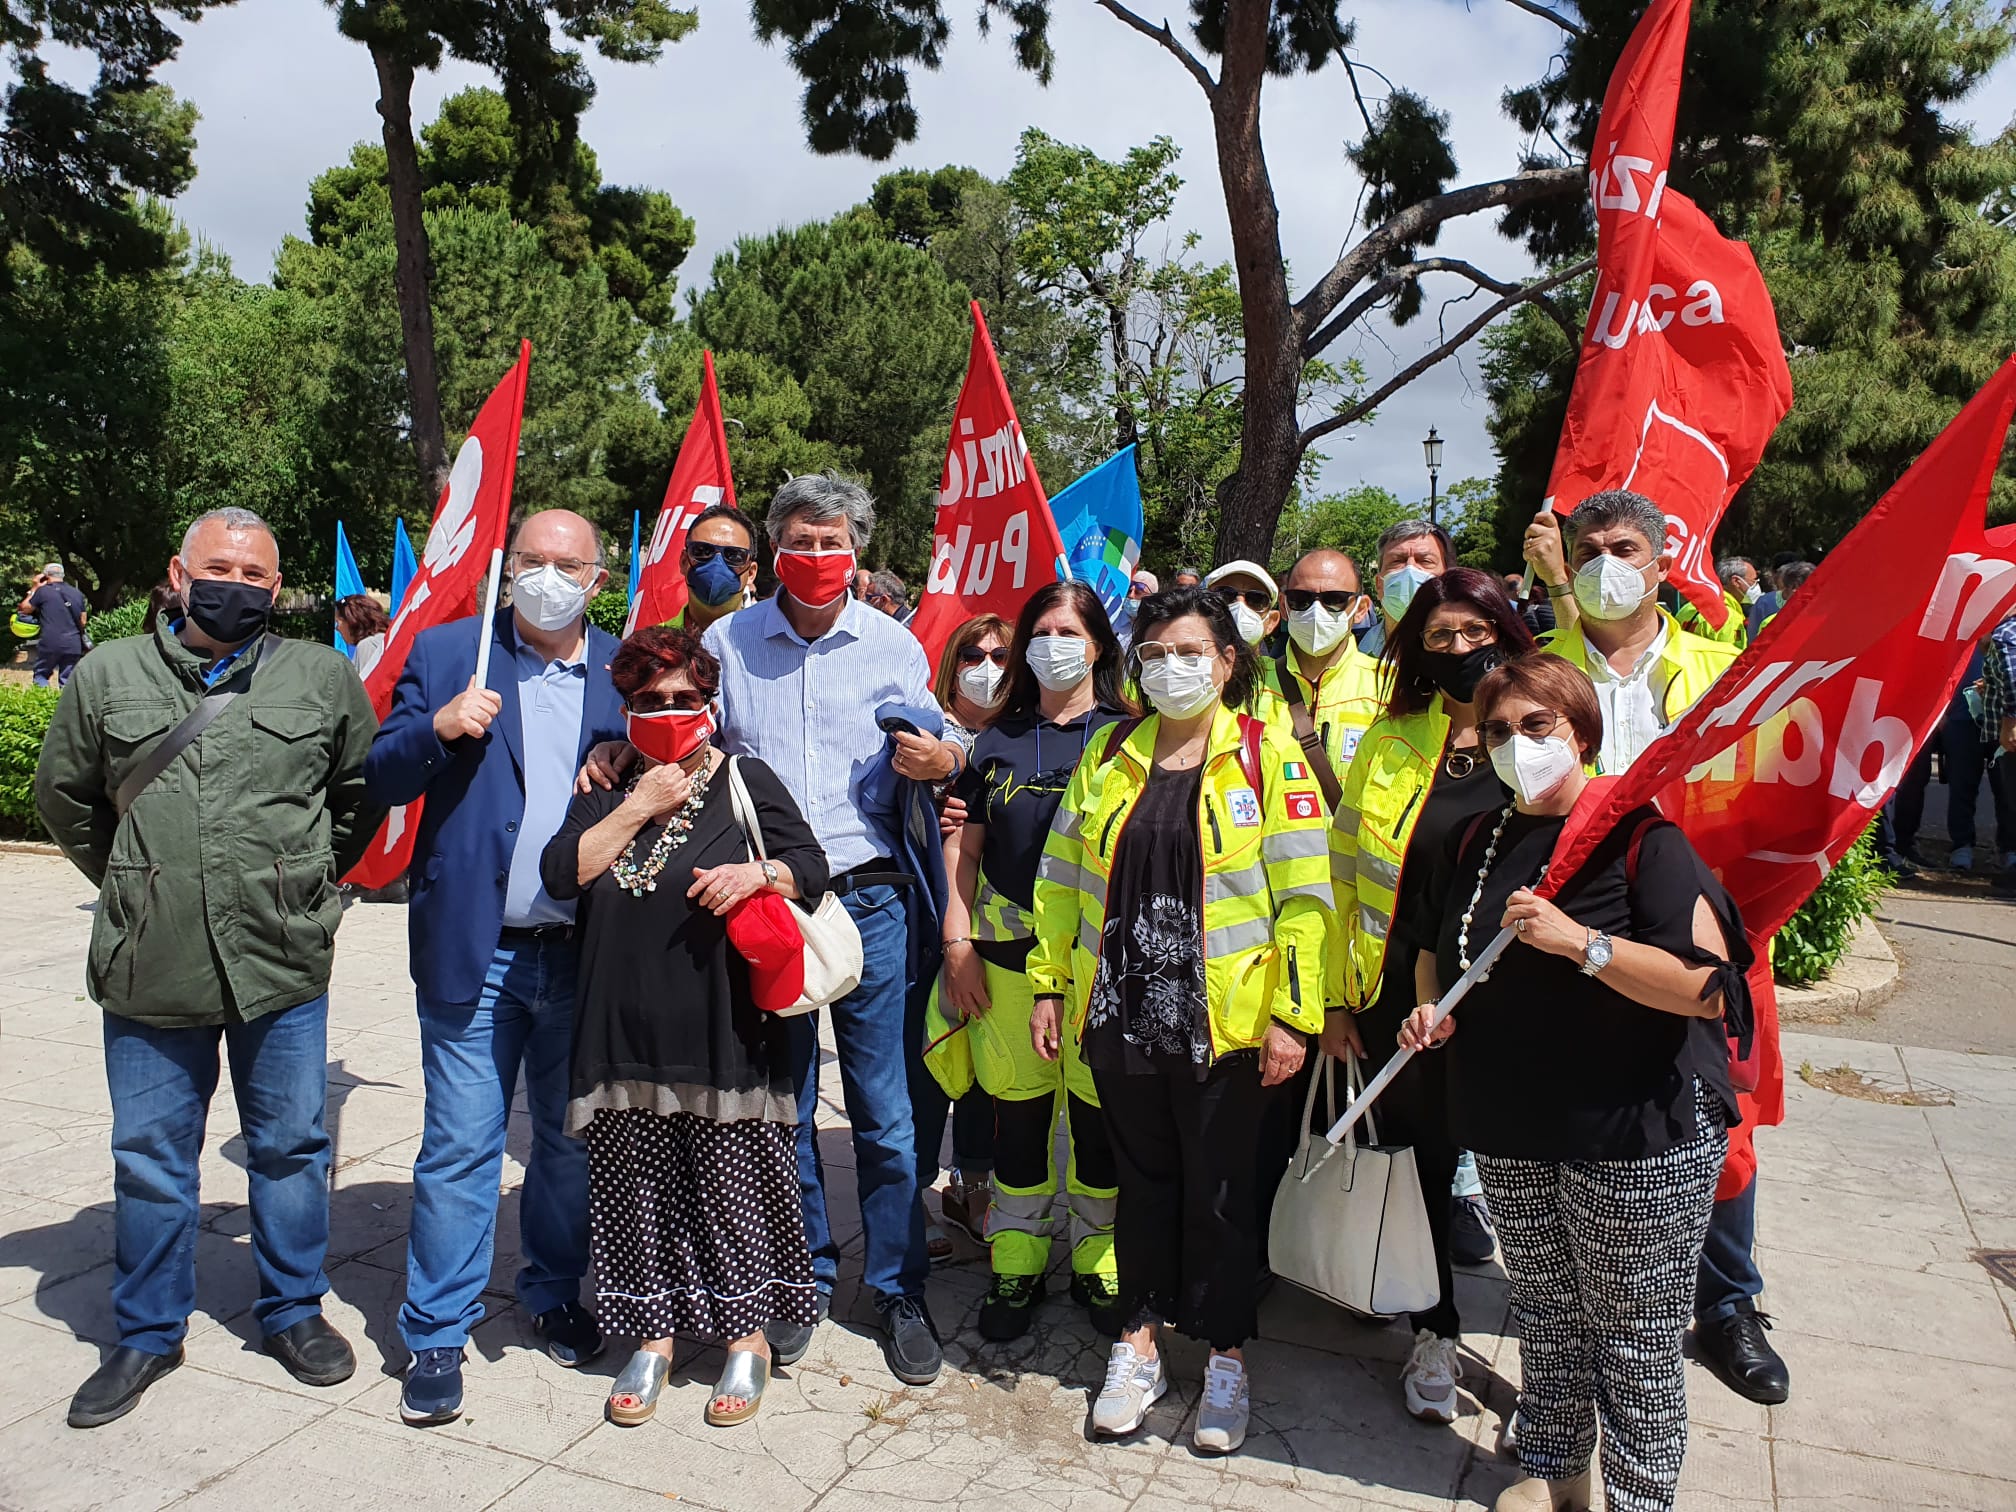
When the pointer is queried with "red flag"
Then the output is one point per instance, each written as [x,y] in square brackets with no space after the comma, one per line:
[1682,377]
[700,480]
[1784,764]
[470,523]
[994,542]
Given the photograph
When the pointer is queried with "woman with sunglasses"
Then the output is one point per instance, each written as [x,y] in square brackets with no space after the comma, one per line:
[1591,1077]
[1063,687]
[1182,908]
[1419,775]
[681,1086]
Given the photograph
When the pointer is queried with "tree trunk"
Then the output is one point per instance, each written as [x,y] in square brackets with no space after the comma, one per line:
[409,235]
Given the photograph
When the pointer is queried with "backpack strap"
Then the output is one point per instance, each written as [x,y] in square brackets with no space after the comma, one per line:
[1117,735]
[1645,827]
[1307,735]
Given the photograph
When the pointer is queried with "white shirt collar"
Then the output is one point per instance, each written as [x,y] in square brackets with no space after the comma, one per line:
[1600,669]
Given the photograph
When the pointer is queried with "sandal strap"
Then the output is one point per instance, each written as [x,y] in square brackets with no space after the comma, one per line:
[745,1374]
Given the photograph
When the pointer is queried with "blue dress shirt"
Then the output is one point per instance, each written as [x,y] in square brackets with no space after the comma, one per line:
[550,703]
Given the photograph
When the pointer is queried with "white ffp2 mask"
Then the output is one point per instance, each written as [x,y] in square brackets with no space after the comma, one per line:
[1534,768]
[548,598]
[1607,589]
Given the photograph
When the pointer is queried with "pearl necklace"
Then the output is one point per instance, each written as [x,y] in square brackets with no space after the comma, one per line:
[637,879]
[1484,871]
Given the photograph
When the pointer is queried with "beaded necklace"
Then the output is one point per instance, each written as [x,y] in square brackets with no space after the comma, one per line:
[637,879]
[1484,871]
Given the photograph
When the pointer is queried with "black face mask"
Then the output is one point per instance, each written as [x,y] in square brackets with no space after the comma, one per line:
[230,613]
[1458,673]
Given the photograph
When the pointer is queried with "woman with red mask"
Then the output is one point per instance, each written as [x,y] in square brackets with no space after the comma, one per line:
[681,1085]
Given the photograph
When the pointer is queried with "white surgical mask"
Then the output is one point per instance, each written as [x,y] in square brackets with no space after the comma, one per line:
[1249,625]
[548,598]
[981,682]
[1534,768]
[1609,589]
[1753,593]
[1316,629]
[1398,587]
[1058,661]
[1180,686]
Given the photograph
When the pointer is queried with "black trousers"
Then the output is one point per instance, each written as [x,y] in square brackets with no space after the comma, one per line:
[1185,1236]
[1023,1129]
[1414,1110]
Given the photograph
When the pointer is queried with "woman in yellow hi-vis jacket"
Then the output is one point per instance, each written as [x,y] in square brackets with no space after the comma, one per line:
[1419,779]
[1182,910]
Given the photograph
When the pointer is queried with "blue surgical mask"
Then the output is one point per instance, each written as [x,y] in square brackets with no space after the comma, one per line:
[713,582]
[1398,587]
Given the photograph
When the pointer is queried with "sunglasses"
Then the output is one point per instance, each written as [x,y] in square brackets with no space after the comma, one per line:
[1259,600]
[972,656]
[737,557]
[1336,600]
[688,702]
[1535,726]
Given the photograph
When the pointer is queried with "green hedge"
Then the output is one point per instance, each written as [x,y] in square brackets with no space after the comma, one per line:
[117,624]
[1817,936]
[608,609]
[24,717]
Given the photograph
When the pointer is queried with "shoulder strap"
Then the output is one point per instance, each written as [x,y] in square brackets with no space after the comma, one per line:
[179,739]
[1645,827]
[744,808]
[1308,736]
[1470,832]
[1117,735]
[1250,733]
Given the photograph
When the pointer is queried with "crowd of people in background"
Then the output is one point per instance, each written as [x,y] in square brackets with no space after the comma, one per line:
[1131,880]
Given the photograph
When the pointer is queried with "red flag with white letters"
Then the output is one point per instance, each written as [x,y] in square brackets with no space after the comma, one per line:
[471,521]
[994,542]
[700,480]
[1681,377]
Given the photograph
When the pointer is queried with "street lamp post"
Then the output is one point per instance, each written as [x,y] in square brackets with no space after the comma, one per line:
[1431,449]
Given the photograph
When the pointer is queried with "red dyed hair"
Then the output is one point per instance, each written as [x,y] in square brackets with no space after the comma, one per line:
[649,654]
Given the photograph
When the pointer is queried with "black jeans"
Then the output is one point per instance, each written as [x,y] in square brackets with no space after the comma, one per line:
[1414,1110]
[1185,1235]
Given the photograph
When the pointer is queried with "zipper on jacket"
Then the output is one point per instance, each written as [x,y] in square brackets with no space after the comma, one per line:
[1401,822]
[1105,852]
[1217,841]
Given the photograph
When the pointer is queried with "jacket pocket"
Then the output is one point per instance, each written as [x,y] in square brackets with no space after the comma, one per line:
[133,728]
[117,931]
[286,753]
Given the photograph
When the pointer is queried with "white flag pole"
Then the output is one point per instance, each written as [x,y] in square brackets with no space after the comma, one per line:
[1443,1005]
[484,636]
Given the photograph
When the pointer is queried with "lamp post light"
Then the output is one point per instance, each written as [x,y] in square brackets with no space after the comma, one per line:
[1431,449]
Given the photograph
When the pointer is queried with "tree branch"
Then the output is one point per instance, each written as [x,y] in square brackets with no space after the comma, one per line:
[1521,294]
[1390,282]
[1411,224]
[1547,13]
[1166,39]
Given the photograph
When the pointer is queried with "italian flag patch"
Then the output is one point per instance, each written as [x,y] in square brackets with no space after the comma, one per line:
[1294,771]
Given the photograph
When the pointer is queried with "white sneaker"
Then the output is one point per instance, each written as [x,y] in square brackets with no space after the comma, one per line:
[1227,1404]
[1963,858]
[1133,1385]
[1429,1378]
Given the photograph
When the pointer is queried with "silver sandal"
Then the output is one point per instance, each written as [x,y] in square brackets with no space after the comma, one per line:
[745,1375]
[641,1382]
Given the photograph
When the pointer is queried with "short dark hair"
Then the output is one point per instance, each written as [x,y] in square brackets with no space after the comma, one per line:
[1620,506]
[1171,604]
[1552,681]
[724,512]
[1412,530]
[650,653]
[1023,700]
[1405,658]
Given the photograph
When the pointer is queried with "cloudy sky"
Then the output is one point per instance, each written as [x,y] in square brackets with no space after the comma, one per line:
[716,125]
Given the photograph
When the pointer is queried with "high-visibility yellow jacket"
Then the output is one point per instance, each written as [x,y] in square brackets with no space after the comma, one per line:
[1346,702]
[1381,803]
[1267,906]
[1732,632]
[1688,665]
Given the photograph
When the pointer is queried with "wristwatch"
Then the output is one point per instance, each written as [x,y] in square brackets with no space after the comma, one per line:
[769,872]
[1596,954]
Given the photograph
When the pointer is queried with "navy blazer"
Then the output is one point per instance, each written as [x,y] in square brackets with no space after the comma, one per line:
[475,792]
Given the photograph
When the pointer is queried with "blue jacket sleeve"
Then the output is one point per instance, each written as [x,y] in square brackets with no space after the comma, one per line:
[407,753]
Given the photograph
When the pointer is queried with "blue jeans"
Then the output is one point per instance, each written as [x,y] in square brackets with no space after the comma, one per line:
[1728,1281]
[161,1081]
[470,1056]
[875,1052]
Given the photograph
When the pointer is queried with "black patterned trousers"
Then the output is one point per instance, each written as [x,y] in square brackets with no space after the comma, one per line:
[1602,1256]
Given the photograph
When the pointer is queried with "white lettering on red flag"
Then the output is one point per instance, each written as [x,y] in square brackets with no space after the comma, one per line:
[700,480]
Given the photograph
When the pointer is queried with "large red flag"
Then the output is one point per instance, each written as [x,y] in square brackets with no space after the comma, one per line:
[994,542]
[470,523]
[700,480]
[1776,772]
[1682,377]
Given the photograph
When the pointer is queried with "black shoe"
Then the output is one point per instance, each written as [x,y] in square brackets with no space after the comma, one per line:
[571,1335]
[1101,1300]
[790,1341]
[912,1346]
[115,1388]
[313,1352]
[1898,865]
[1009,1306]
[1472,1238]
[1736,1350]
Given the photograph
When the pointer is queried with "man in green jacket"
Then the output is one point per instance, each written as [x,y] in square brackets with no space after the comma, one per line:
[217,915]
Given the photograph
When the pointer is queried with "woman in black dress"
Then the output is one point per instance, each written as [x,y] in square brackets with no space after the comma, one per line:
[681,1084]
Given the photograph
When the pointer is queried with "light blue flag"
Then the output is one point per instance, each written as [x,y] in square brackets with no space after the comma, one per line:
[404,564]
[636,557]
[349,582]
[1099,520]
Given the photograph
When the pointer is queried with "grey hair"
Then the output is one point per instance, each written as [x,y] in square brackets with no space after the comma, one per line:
[819,497]
[1728,567]
[890,586]
[1792,577]
[1413,530]
[1620,506]
[231,517]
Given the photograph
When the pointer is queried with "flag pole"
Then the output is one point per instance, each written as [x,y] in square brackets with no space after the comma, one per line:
[484,634]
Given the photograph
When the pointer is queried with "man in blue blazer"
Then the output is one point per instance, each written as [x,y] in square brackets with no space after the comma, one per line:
[493,956]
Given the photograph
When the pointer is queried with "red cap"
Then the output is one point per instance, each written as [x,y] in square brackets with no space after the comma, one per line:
[763,928]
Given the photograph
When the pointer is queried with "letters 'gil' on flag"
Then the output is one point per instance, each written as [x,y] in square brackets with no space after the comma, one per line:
[470,523]
[1681,377]
[994,541]
[1785,763]
[700,480]
[349,583]
[1099,519]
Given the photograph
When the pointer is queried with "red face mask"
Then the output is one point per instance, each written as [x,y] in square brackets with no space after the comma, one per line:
[815,578]
[672,735]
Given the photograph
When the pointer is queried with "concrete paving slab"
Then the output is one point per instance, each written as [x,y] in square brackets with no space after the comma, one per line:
[1953,1316]
[351,1461]
[1824,1480]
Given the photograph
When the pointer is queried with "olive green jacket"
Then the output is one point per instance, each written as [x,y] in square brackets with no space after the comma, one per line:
[217,896]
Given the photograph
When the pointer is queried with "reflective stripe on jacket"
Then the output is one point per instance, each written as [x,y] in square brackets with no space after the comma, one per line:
[1688,665]
[1267,899]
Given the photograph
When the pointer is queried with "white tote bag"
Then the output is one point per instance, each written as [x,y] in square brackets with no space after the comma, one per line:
[1349,1223]
[832,942]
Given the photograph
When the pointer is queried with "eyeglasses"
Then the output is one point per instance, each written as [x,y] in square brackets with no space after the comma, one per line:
[532,561]
[1444,637]
[972,656]
[691,701]
[1535,726]
[1336,600]
[1137,590]
[737,557]
[1259,600]
[1147,653]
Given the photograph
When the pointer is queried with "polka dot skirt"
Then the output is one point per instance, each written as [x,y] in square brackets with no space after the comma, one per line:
[696,1226]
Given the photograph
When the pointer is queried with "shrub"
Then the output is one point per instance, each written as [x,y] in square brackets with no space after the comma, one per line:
[117,624]
[1817,936]
[24,719]
[608,609]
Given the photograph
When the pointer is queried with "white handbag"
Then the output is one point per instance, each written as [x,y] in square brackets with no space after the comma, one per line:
[1349,1223]
[832,942]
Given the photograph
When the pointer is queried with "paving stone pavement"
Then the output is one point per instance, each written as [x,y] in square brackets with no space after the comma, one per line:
[1872,1213]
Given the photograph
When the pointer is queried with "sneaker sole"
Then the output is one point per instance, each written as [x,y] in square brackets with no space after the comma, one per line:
[414,1419]
[1431,1412]
[1227,1448]
[909,1378]
[1161,1390]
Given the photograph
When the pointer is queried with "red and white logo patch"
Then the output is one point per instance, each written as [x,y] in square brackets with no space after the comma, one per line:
[1302,806]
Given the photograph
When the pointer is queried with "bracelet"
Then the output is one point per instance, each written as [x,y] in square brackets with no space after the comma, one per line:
[959,940]
[1560,590]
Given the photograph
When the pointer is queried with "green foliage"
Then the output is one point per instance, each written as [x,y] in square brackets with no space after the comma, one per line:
[24,720]
[117,624]
[1817,936]
[1350,522]
[608,610]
